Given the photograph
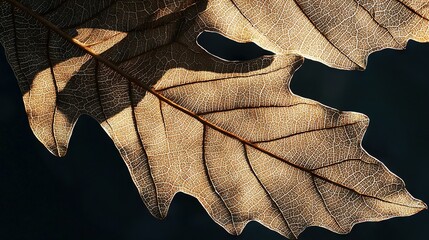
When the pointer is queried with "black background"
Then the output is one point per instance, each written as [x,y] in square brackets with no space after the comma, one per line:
[89,194]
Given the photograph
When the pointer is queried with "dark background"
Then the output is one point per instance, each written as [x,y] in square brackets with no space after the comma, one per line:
[89,194]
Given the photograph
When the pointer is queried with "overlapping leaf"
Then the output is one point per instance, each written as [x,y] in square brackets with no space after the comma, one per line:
[339,33]
[229,133]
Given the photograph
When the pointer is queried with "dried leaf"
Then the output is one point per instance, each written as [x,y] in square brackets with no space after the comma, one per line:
[339,33]
[231,134]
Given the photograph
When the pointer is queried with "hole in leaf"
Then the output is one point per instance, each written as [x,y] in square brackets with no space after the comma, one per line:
[230,50]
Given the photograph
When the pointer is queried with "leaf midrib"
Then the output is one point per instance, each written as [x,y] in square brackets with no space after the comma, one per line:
[161,97]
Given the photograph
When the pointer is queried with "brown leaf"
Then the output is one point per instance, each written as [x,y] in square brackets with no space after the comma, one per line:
[338,33]
[229,133]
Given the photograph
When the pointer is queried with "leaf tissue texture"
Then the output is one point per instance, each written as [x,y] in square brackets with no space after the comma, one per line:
[231,134]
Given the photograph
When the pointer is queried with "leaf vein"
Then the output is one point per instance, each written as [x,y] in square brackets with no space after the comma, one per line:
[141,144]
[51,68]
[324,203]
[207,173]
[305,132]
[246,156]
[222,79]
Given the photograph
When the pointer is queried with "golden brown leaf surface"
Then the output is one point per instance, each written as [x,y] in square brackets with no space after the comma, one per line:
[231,134]
[339,33]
